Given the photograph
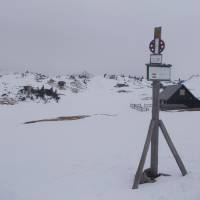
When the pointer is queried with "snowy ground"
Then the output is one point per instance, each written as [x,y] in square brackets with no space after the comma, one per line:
[93,158]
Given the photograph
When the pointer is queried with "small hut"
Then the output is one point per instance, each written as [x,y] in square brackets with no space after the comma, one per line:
[177,97]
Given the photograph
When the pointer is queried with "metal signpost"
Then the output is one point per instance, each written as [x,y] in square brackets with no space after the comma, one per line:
[156,72]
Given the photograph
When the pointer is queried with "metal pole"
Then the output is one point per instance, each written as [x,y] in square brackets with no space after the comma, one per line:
[155,135]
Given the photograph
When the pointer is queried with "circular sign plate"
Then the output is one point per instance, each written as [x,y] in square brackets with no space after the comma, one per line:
[161,46]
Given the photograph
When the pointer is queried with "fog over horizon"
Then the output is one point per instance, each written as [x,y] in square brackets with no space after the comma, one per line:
[100,36]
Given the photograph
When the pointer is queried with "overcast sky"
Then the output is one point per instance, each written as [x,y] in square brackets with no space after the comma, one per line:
[66,36]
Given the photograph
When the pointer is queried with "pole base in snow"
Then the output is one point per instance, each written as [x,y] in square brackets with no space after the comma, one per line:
[148,175]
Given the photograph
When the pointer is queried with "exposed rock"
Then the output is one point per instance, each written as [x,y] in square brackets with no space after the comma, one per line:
[84,75]
[149,177]
[51,82]
[113,77]
[119,85]
[40,77]
[61,85]
[76,84]
[72,77]
[7,101]
[123,91]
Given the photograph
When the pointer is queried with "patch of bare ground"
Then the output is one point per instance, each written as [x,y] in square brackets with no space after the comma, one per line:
[65,118]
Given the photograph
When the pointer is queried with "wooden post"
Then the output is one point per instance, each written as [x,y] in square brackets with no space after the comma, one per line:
[156,46]
[172,148]
[155,135]
[155,109]
[144,155]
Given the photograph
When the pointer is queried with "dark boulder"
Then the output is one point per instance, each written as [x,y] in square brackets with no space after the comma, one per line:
[119,85]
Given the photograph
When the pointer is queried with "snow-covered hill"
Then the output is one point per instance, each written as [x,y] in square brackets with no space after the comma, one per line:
[94,158]
[14,85]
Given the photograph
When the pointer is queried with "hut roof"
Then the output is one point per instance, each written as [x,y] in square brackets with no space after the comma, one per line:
[169,91]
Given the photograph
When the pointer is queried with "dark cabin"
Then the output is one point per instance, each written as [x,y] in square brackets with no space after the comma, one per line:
[177,97]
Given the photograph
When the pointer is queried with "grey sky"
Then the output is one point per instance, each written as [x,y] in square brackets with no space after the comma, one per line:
[66,36]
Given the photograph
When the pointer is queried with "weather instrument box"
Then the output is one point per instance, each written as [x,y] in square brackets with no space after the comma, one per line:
[161,72]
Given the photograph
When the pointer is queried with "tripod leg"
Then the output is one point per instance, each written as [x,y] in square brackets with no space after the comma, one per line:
[172,148]
[144,155]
